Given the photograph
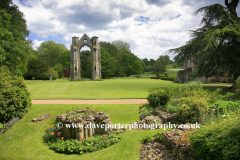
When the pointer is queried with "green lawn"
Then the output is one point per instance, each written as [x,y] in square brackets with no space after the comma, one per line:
[118,88]
[24,139]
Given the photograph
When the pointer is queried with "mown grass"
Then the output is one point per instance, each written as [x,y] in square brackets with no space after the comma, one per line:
[119,88]
[24,139]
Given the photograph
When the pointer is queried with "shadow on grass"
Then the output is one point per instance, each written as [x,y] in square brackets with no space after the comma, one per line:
[225,89]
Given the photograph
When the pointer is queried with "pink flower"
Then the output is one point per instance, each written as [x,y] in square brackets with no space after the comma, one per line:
[83,138]
[83,153]
[49,126]
[103,135]
[62,138]
[107,139]
[59,132]
[74,110]
[52,133]
[44,132]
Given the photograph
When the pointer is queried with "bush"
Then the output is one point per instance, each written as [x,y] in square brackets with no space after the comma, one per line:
[147,139]
[189,108]
[36,70]
[224,81]
[87,145]
[66,72]
[54,74]
[165,74]
[145,110]
[217,141]
[168,78]
[154,77]
[157,75]
[14,96]
[157,98]
[174,66]
[59,68]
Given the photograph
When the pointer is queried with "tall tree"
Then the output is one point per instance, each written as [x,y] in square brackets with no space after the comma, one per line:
[214,48]
[50,52]
[14,48]
[232,6]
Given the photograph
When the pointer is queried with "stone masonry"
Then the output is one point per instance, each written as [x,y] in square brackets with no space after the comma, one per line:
[75,69]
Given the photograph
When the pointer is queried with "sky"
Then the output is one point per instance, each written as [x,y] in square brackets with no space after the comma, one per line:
[151,27]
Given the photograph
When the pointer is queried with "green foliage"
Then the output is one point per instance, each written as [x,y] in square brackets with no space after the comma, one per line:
[36,69]
[88,145]
[158,137]
[14,96]
[98,79]
[158,97]
[174,66]
[160,65]
[50,52]
[213,42]
[64,58]
[59,68]
[53,72]
[168,78]
[188,108]
[145,110]
[51,135]
[147,139]
[14,49]
[218,140]
[107,64]
[154,77]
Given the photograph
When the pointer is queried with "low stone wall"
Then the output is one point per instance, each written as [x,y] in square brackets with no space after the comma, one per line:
[84,127]
[183,75]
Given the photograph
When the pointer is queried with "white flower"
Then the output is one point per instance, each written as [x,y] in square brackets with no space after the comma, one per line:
[236,118]
[228,115]
[224,115]
[213,110]
[224,119]
[230,118]
[212,122]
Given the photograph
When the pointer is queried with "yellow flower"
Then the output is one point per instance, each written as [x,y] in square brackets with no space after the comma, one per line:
[224,119]
[224,115]
[236,118]
[228,115]
[212,122]
[230,118]
[213,110]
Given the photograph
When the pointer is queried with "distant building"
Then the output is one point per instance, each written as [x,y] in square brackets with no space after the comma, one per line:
[183,75]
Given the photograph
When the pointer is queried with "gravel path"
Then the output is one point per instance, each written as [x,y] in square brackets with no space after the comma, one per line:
[90,101]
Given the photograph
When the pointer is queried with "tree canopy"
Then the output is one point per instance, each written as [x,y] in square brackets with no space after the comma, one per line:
[14,48]
[214,47]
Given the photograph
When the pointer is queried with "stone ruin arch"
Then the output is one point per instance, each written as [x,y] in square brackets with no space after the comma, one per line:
[75,68]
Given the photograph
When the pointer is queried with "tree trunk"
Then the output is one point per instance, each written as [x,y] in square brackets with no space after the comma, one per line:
[234,86]
[232,6]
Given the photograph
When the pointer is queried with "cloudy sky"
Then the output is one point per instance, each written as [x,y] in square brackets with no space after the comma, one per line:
[151,27]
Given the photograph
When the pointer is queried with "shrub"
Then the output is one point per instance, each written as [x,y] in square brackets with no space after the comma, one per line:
[189,107]
[88,145]
[168,78]
[158,97]
[59,68]
[158,137]
[147,139]
[14,96]
[224,81]
[66,72]
[217,141]
[145,110]
[37,70]
[54,74]
[165,74]
[174,66]
[154,77]
[157,75]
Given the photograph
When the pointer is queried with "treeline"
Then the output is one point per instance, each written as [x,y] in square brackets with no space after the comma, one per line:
[116,61]
[157,66]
